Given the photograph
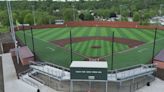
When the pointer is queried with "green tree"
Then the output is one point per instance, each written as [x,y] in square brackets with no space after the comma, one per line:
[88,16]
[103,12]
[136,16]
[4,18]
[28,19]
[68,14]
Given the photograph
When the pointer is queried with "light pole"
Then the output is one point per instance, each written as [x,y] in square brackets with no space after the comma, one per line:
[121,6]
[12,29]
[161,6]
[1,44]
[73,7]
[33,14]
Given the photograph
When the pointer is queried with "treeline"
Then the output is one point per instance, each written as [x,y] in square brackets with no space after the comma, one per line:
[46,12]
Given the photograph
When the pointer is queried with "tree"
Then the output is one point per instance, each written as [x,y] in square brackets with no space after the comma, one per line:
[113,15]
[28,19]
[4,18]
[88,16]
[81,16]
[103,12]
[68,14]
[136,16]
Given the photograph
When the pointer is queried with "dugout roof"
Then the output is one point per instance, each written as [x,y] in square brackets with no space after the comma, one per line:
[160,56]
[89,64]
[25,52]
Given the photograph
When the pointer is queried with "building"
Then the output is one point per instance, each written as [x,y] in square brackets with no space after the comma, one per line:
[6,42]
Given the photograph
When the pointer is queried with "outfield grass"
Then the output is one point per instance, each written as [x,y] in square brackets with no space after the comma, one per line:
[50,52]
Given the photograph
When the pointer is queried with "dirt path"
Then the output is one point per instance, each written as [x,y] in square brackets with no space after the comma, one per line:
[130,42]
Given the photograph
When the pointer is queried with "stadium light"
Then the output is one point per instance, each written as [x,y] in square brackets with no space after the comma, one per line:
[121,6]
[161,6]
[33,14]
[73,7]
[12,29]
[24,34]
[1,46]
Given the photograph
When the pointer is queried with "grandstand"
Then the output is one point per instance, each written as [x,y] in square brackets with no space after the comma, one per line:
[55,75]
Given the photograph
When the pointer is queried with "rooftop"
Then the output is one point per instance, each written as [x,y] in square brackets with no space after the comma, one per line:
[89,64]
[25,52]
[160,56]
[6,38]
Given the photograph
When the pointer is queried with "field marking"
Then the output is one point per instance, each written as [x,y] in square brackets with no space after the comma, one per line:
[65,49]
[142,50]
[132,48]
[52,49]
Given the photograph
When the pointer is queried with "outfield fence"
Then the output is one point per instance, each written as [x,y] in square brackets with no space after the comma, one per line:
[116,24]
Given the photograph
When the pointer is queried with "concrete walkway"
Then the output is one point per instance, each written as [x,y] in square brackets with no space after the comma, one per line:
[11,83]
[155,86]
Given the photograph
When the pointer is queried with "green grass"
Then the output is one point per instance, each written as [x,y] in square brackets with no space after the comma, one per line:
[86,49]
[124,56]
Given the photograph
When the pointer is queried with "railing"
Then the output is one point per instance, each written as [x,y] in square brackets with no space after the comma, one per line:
[131,72]
[52,65]
[30,82]
[25,72]
[57,74]
[32,76]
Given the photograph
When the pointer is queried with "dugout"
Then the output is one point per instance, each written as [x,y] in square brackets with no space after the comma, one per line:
[159,59]
[88,71]
[25,55]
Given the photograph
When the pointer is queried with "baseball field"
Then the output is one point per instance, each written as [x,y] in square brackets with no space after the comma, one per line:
[131,46]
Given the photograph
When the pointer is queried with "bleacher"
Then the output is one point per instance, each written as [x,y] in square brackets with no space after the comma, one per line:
[114,75]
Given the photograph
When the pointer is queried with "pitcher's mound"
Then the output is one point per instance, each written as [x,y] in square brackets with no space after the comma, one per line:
[96,47]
